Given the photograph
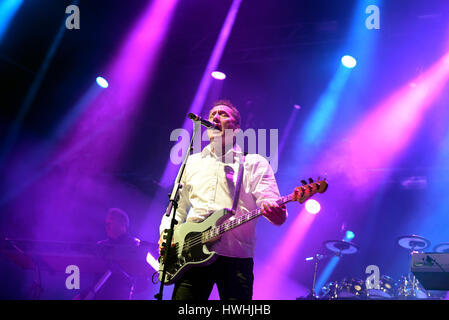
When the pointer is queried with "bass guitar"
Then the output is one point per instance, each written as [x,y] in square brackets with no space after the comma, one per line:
[191,241]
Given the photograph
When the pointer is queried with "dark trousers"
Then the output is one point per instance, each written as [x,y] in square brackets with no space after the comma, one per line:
[233,276]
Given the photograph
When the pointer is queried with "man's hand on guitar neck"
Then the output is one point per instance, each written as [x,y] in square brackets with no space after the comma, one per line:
[276,214]
[162,240]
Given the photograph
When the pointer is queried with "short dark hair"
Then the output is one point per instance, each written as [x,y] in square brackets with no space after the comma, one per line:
[227,103]
[120,214]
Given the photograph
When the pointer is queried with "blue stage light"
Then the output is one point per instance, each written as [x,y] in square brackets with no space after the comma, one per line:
[8,9]
[349,235]
[349,61]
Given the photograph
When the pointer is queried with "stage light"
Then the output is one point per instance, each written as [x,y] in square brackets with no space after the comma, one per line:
[152,262]
[8,9]
[312,206]
[348,61]
[102,82]
[218,75]
[349,235]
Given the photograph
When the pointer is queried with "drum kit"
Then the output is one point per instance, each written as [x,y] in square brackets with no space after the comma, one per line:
[406,288]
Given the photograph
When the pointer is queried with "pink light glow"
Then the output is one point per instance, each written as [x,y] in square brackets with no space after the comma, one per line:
[96,141]
[268,283]
[384,133]
[312,206]
[200,96]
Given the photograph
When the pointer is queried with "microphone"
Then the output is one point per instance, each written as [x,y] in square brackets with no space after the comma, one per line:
[203,122]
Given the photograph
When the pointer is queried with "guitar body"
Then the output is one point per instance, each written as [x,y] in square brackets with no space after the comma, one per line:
[189,251]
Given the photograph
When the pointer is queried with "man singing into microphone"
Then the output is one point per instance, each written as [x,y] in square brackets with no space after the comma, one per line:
[209,183]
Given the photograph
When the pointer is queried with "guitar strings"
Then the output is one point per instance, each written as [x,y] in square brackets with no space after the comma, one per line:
[197,239]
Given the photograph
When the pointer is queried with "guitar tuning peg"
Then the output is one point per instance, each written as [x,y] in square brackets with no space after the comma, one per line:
[304,182]
[310,180]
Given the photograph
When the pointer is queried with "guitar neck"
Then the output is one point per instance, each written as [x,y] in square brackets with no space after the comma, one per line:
[234,222]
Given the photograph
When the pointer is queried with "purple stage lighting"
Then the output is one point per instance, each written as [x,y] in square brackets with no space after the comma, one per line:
[348,61]
[313,206]
[218,75]
[152,261]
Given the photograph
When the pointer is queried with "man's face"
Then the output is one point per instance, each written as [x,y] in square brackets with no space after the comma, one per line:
[114,227]
[222,117]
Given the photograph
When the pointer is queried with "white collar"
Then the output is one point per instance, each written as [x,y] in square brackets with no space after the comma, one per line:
[208,151]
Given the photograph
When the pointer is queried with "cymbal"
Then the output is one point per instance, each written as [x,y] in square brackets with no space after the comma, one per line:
[413,242]
[341,247]
[442,247]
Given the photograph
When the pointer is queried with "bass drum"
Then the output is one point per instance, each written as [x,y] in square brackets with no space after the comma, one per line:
[387,289]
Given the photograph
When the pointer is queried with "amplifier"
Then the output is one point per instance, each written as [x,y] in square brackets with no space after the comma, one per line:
[432,270]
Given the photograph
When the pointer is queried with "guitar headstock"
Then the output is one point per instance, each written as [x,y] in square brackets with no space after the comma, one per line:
[307,190]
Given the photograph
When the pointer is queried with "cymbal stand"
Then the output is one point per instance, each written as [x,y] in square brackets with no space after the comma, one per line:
[314,278]
[317,257]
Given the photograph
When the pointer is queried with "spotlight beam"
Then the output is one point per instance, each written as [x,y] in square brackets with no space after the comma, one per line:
[329,268]
[206,80]
[170,170]
[268,285]
[380,138]
[16,126]
[8,9]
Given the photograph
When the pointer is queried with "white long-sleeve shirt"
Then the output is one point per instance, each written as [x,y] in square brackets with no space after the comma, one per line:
[208,185]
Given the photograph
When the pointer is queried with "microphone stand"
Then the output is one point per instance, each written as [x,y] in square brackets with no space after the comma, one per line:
[173,206]
[314,277]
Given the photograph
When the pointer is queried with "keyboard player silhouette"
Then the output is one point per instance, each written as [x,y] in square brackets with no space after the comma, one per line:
[116,283]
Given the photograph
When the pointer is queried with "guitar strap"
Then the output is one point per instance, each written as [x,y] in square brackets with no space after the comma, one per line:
[238,184]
